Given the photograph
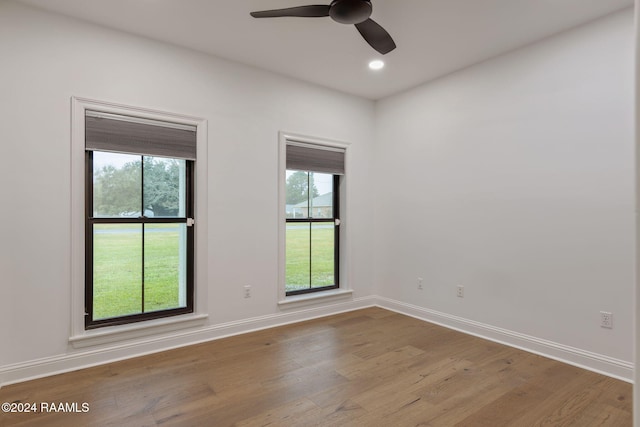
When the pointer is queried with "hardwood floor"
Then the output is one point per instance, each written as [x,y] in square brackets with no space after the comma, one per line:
[369,367]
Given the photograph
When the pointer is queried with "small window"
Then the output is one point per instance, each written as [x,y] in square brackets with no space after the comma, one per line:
[312,240]
[139,234]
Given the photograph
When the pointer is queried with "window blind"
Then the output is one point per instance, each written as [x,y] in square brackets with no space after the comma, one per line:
[315,158]
[133,135]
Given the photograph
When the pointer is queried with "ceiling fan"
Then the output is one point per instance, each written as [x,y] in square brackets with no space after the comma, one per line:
[355,12]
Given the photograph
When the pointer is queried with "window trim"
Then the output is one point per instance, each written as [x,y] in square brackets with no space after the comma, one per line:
[343,270]
[79,336]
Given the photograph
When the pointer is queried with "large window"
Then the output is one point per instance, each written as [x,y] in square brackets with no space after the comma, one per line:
[139,240]
[312,241]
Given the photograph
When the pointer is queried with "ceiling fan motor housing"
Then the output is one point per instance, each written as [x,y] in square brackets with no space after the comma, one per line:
[350,11]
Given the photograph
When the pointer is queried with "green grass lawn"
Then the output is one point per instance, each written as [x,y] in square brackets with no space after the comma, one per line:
[117,269]
[300,274]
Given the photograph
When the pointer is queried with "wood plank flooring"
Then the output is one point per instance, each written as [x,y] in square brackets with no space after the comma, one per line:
[369,367]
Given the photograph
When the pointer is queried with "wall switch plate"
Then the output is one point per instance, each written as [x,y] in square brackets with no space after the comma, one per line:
[247,291]
[460,291]
[420,280]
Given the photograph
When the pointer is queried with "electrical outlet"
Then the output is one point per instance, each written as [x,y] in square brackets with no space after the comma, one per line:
[420,283]
[606,319]
[460,291]
[247,291]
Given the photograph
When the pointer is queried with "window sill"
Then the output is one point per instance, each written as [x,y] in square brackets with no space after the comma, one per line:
[136,330]
[314,298]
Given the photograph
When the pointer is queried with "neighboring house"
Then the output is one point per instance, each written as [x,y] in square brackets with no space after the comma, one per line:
[321,207]
[147,212]
[289,210]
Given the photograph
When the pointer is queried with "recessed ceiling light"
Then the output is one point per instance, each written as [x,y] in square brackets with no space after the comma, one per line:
[376,64]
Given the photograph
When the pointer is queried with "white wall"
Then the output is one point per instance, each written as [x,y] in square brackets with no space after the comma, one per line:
[514,178]
[636,386]
[47,59]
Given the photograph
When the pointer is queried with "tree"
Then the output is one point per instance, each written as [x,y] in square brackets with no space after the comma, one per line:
[161,186]
[117,191]
[298,185]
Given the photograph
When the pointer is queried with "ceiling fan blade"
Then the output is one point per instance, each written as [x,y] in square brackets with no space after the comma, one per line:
[376,36]
[313,11]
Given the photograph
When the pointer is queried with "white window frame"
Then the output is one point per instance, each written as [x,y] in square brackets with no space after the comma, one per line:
[344,291]
[79,337]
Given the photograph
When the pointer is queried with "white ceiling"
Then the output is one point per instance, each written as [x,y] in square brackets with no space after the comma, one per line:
[434,37]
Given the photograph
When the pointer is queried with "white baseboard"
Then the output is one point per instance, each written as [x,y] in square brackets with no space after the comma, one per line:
[84,358]
[599,363]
